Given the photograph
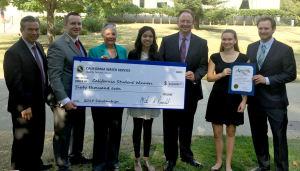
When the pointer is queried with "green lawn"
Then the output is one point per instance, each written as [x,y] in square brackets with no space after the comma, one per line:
[127,34]
[244,158]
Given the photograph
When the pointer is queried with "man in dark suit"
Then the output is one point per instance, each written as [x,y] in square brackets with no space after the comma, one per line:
[69,121]
[184,47]
[276,66]
[25,72]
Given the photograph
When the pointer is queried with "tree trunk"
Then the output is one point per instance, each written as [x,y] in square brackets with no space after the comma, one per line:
[210,23]
[244,22]
[136,17]
[161,17]
[153,15]
[145,18]
[169,19]
[196,25]
[51,6]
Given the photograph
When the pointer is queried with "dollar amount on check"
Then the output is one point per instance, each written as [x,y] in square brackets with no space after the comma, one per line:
[128,83]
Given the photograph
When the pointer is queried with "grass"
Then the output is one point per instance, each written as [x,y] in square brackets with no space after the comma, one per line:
[203,147]
[127,34]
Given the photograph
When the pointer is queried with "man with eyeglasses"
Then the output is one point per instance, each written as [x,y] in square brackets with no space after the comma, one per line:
[184,47]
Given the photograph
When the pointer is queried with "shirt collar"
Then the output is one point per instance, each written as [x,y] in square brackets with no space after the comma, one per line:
[188,38]
[268,44]
[29,45]
[73,40]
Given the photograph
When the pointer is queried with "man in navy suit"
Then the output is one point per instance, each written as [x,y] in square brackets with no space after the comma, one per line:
[25,72]
[276,66]
[184,47]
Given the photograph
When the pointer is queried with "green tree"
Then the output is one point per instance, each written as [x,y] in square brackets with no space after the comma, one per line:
[4,4]
[197,7]
[170,11]
[50,6]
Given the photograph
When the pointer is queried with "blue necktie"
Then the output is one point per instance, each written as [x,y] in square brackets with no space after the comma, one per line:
[261,56]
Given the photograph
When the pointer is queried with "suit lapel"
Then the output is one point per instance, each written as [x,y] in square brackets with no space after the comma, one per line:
[270,53]
[192,46]
[254,56]
[27,52]
[72,45]
[175,45]
[85,54]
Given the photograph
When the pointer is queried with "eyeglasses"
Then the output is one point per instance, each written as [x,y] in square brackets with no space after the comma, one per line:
[186,21]
[109,24]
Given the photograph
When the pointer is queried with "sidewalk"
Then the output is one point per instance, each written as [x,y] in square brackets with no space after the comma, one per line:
[201,127]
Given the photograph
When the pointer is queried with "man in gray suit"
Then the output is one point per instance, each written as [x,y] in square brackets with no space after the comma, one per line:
[69,121]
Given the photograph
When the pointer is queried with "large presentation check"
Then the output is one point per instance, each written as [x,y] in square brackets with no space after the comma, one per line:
[128,83]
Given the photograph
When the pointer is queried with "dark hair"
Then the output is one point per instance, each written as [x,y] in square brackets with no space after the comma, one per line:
[28,19]
[273,22]
[138,45]
[236,45]
[185,10]
[68,15]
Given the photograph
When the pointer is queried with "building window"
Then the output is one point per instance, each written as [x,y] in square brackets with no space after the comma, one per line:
[142,3]
[245,5]
[159,4]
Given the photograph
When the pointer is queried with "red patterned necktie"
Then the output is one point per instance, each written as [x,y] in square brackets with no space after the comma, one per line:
[182,50]
[77,44]
[41,68]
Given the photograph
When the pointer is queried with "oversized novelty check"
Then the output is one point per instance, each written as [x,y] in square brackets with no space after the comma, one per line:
[128,83]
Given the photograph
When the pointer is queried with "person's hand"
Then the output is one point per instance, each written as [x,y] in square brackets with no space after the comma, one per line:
[241,107]
[190,75]
[70,105]
[26,114]
[226,71]
[259,79]
[105,57]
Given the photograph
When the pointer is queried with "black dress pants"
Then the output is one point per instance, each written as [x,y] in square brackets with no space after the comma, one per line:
[68,133]
[107,137]
[138,125]
[179,123]
[278,120]
[28,142]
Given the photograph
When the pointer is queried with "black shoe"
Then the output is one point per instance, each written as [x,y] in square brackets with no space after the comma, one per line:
[216,169]
[45,167]
[259,169]
[192,162]
[82,160]
[169,166]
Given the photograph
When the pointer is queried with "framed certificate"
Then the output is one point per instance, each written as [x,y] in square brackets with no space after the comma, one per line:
[240,80]
[128,83]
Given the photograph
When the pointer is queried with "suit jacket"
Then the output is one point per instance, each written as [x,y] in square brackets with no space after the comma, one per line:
[60,64]
[101,50]
[280,67]
[196,59]
[23,77]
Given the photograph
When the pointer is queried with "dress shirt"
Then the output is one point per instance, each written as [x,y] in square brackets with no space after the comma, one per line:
[66,100]
[187,42]
[268,47]
[29,45]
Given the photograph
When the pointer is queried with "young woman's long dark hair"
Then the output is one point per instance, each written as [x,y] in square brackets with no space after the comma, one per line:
[153,55]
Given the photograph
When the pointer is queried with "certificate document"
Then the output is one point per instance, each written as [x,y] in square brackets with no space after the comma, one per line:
[128,83]
[240,80]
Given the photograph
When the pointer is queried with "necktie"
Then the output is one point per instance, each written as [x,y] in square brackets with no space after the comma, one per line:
[77,44]
[182,50]
[261,56]
[41,69]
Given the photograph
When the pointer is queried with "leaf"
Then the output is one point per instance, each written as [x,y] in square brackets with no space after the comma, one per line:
[295,163]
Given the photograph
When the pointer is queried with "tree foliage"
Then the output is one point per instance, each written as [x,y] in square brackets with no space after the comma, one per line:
[4,4]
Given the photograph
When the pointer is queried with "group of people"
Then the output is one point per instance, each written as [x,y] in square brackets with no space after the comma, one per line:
[32,79]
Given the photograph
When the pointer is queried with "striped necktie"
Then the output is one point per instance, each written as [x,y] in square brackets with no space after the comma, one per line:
[261,56]
[182,50]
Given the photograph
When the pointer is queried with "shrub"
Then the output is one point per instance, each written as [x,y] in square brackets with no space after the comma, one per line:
[84,32]
[58,25]
[43,27]
[93,24]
